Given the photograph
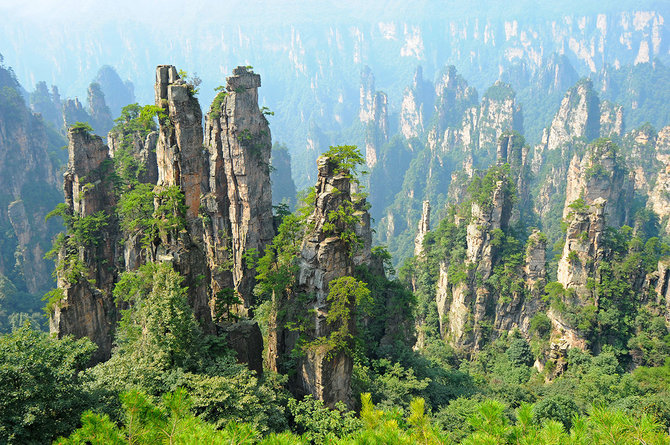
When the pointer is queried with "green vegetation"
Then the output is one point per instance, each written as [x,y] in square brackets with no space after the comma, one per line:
[130,130]
[83,232]
[193,82]
[82,127]
[42,383]
[217,103]
[344,295]
[149,214]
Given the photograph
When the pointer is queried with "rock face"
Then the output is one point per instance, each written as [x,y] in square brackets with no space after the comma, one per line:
[581,119]
[415,102]
[143,150]
[424,227]
[373,113]
[179,150]
[471,301]
[181,163]
[376,133]
[30,187]
[463,137]
[87,307]
[283,187]
[659,196]
[73,112]
[237,137]
[663,286]
[521,305]
[324,256]
[578,116]
[600,174]
[583,247]
[227,214]
[101,117]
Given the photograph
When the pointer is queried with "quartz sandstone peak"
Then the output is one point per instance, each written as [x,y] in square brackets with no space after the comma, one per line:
[239,202]
[424,227]
[87,307]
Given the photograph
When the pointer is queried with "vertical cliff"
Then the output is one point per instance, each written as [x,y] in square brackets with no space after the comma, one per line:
[237,137]
[306,338]
[181,163]
[87,266]
[562,168]
[209,213]
[30,187]
[659,196]
[424,227]
[325,257]
[600,174]
[416,103]
[584,246]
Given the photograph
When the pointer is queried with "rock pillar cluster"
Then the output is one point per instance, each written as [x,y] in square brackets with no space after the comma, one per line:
[224,175]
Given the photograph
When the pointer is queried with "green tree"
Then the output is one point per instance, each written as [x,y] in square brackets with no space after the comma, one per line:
[42,385]
[147,423]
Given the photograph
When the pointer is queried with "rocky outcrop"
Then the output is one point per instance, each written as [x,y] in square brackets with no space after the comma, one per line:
[642,161]
[424,227]
[581,119]
[535,269]
[659,196]
[87,268]
[515,310]
[453,98]
[239,199]
[101,118]
[47,104]
[181,163]
[512,150]
[471,128]
[584,247]
[366,96]
[283,186]
[373,114]
[179,150]
[663,286]
[142,149]
[30,187]
[611,119]
[577,117]
[600,174]
[73,112]
[376,133]
[415,105]
[325,255]
[472,302]
[225,222]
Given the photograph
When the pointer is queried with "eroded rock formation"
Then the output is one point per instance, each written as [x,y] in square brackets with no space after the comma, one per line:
[424,227]
[600,174]
[583,247]
[88,268]
[239,202]
[227,216]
